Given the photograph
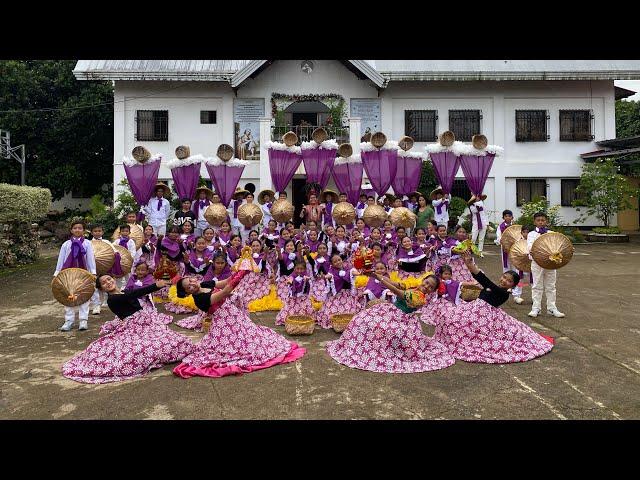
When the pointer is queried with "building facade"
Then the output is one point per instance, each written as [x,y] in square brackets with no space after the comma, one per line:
[544,113]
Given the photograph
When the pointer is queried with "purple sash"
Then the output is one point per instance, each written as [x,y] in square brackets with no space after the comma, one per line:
[124,241]
[297,286]
[478,217]
[542,230]
[159,203]
[452,290]
[116,268]
[146,281]
[440,205]
[326,214]
[226,273]
[75,259]
[197,263]
[172,247]
[236,206]
[360,206]
[403,253]
[375,286]
[313,246]
[339,281]
[198,205]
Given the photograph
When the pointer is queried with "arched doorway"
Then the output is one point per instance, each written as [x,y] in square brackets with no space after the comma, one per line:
[305,116]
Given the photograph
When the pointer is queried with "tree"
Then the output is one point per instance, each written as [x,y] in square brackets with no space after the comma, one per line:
[605,192]
[628,125]
[65,124]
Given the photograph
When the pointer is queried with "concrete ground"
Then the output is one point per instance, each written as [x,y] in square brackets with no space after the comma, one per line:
[592,373]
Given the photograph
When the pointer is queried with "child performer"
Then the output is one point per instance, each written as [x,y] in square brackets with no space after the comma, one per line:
[186,214]
[327,208]
[411,261]
[297,302]
[441,247]
[209,236]
[157,211]
[200,206]
[440,203]
[375,289]
[543,279]
[254,285]
[267,202]
[76,252]
[224,234]
[459,269]
[361,205]
[479,219]
[187,236]
[507,217]
[99,298]
[129,244]
[148,248]
[342,297]
[220,269]
[142,278]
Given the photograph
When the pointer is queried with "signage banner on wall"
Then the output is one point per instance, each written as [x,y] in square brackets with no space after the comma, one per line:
[368,109]
[247,113]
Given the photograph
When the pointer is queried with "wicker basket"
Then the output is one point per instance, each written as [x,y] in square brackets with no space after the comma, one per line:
[552,250]
[339,322]
[225,152]
[206,324]
[299,325]
[405,143]
[104,255]
[250,214]
[183,152]
[447,138]
[141,154]
[374,215]
[479,142]
[469,293]
[374,302]
[345,150]
[403,217]
[344,213]
[73,286]
[378,139]
[319,135]
[519,256]
[215,214]
[282,210]
[126,260]
[510,236]
[290,139]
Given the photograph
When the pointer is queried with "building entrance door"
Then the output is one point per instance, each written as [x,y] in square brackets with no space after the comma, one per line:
[299,199]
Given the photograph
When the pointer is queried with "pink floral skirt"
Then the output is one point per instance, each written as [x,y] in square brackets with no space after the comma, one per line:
[192,322]
[342,303]
[459,270]
[319,289]
[295,306]
[385,339]
[161,318]
[252,287]
[235,345]
[131,349]
[431,310]
[478,332]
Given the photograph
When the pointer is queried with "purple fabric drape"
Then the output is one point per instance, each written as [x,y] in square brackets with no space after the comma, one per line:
[445,166]
[348,178]
[318,163]
[380,166]
[142,179]
[407,177]
[225,180]
[476,170]
[186,180]
[283,165]
[76,255]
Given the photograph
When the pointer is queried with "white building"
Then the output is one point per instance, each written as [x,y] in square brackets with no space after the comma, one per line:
[544,113]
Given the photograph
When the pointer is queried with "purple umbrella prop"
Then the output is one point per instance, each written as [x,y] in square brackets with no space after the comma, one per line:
[347,173]
[445,167]
[318,161]
[283,162]
[380,165]
[408,171]
[186,173]
[476,164]
[142,178]
[225,176]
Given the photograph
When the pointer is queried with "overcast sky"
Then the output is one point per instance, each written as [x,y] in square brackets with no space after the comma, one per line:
[630,85]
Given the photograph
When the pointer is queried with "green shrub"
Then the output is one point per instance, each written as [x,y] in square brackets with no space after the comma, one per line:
[456,207]
[97,206]
[125,201]
[23,204]
[607,231]
[539,204]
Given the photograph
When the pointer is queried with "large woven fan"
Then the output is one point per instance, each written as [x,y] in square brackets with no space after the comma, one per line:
[282,210]
[519,255]
[104,255]
[215,214]
[126,260]
[510,236]
[403,217]
[552,250]
[73,286]
[249,214]
[137,234]
[374,215]
[344,213]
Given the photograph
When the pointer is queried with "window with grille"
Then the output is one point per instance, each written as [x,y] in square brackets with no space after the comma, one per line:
[464,124]
[152,125]
[568,191]
[420,125]
[460,189]
[530,189]
[531,126]
[208,116]
[575,125]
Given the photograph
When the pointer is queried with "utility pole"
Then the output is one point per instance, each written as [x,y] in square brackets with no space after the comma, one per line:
[9,152]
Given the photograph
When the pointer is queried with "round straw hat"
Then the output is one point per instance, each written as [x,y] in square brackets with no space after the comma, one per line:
[290,139]
[319,135]
[249,214]
[378,139]
[126,260]
[345,150]
[344,213]
[215,214]
[405,143]
[282,210]
[447,138]
[510,236]
[519,255]
[374,215]
[403,217]
[479,142]
[104,255]
[73,286]
[183,152]
[552,250]
[141,154]
[225,152]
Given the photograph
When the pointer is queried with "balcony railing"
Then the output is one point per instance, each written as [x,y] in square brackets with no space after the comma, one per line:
[340,133]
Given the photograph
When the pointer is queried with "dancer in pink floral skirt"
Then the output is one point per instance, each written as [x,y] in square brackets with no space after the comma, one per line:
[132,348]
[479,331]
[342,298]
[297,302]
[387,338]
[234,344]
[254,285]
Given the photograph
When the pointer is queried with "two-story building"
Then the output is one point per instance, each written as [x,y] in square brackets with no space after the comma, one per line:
[544,113]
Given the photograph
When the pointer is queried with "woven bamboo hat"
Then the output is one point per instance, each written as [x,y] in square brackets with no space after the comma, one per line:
[204,189]
[510,236]
[374,215]
[446,138]
[225,152]
[552,250]
[182,152]
[403,217]
[241,191]
[282,210]
[319,135]
[405,143]
[261,195]
[104,255]
[519,255]
[136,234]
[436,191]
[479,142]
[73,286]
[165,187]
[290,139]
[249,214]
[378,139]
[475,198]
[215,214]
[141,154]
[126,260]
[344,213]
[334,196]
[345,150]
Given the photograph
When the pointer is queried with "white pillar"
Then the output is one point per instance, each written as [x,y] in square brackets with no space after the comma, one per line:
[355,125]
[119,138]
[265,171]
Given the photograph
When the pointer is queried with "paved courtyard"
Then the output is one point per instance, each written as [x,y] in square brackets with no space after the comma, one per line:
[592,373]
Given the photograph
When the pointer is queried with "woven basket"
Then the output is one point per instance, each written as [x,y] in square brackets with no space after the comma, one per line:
[141,154]
[104,255]
[552,250]
[73,286]
[344,213]
[374,215]
[345,150]
[263,193]
[215,214]
[206,324]
[136,234]
[319,135]
[373,303]
[183,152]
[126,260]
[479,142]
[290,139]
[282,210]
[519,255]
[299,325]
[225,152]
[339,322]
[510,236]
[249,214]
[447,138]
[469,293]
[405,143]
[403,217]
[378,139]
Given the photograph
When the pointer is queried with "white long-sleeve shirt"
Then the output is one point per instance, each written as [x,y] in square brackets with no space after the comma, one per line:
[472,210]
[131,246]
[157,217]
[531,237]
[442,218]
[89,259]
[266,215]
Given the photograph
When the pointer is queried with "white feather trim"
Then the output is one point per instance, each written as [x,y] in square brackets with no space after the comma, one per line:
[282,146]
[402,153]
[437,148]
[468,149]
[389,145]
[367,147]
[176,162]
[352,159]
[234,162]
[131,162]
[330,144]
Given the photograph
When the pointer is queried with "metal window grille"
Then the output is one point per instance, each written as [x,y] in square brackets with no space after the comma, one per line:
[152,125]
[568,191]
[575,125]
[464,123]
[531,126]
[208,116]
[421,125]
[529,189]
